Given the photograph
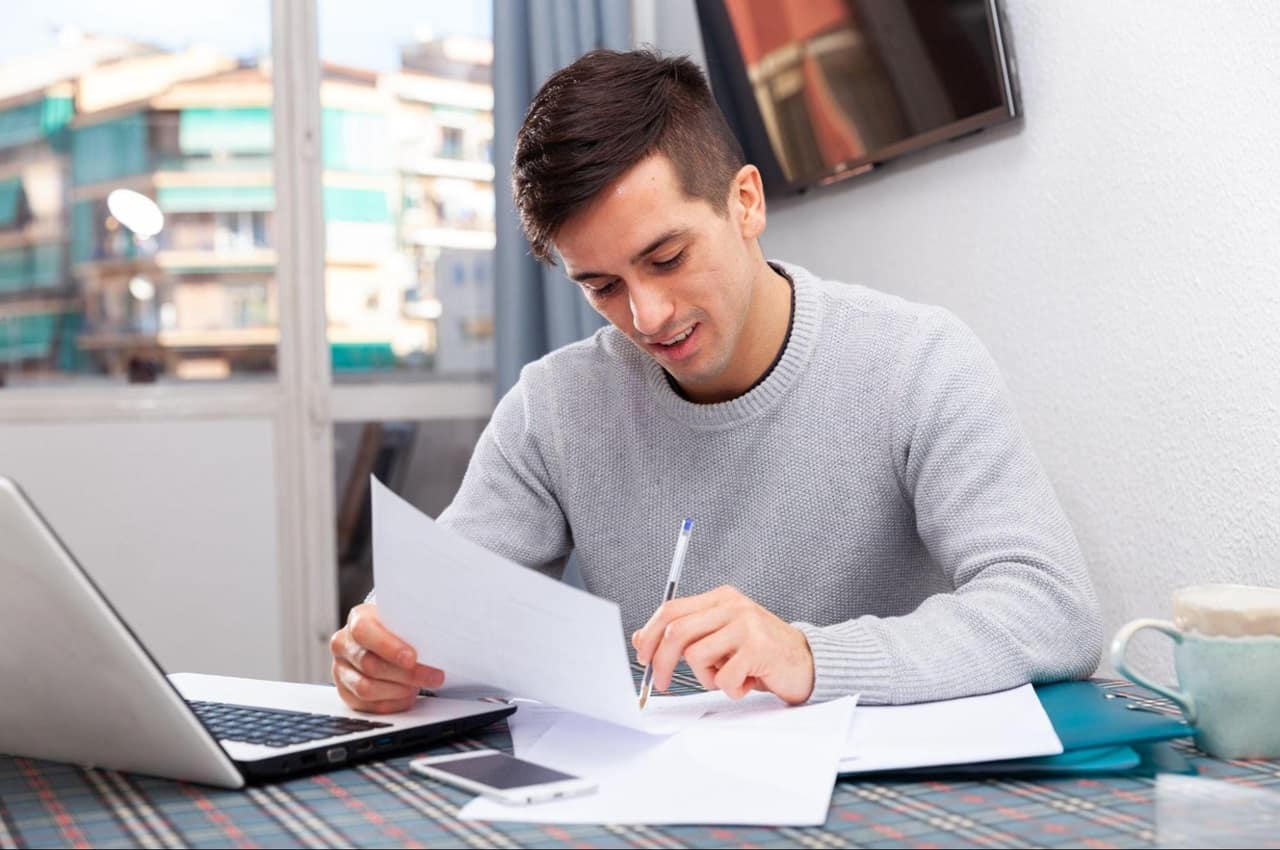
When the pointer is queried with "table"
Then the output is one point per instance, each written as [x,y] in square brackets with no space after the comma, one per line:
[381,804]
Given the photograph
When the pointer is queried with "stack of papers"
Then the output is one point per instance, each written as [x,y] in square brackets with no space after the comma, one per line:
[757,762]
[1007,725]
[699,759]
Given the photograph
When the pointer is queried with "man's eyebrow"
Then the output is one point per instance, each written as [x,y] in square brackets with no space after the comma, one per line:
[582,277]
[657,243]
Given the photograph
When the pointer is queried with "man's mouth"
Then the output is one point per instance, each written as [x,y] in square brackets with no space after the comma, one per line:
[678,338]
[679,345]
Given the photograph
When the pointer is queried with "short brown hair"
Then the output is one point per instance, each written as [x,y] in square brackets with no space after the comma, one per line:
[595,119]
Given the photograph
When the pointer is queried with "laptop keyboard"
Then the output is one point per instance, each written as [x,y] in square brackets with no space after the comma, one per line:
[274,727]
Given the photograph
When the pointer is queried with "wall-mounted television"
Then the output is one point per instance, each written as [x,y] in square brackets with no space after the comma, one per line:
[821,90]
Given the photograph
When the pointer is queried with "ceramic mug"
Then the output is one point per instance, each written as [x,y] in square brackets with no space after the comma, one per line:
[1227,654]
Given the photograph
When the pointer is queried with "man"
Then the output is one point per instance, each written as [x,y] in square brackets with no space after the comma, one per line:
[869,516]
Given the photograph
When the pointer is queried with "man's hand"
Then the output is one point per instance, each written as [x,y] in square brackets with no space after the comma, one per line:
[374,670]
[731,643]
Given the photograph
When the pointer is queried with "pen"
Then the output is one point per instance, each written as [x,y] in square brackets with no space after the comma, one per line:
[673,578]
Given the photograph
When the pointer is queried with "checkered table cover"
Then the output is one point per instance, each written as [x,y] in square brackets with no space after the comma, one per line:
[382,804]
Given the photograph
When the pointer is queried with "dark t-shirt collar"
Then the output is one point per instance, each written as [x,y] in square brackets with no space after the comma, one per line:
[791,319]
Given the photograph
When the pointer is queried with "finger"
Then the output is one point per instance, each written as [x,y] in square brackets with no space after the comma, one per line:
[708,655]
[369,632]
[382,707]
[732,678]
[428,677]
[647,638]
[679,635]
[375,667]
[367,690]
[345,647]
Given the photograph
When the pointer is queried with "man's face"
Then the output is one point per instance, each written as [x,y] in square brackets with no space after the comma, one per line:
[669,272]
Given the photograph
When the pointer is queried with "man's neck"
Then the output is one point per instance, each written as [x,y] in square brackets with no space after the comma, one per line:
[786,337]
[761,341]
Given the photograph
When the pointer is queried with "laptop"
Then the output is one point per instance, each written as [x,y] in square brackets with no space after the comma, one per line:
[80,687]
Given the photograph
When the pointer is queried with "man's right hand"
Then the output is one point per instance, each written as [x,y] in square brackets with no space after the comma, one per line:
[374,670]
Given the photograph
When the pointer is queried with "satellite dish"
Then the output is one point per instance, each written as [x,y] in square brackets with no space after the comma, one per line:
[136,211]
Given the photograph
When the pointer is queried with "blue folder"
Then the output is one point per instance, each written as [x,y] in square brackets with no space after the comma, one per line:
[1084,716]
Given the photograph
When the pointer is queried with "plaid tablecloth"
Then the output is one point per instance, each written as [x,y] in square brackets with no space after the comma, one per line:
[382,804]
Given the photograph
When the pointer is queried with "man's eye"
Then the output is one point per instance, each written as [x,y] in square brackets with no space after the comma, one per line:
[671,263]
[601,291]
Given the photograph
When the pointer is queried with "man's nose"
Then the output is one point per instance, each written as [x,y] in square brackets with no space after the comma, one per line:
[651,309]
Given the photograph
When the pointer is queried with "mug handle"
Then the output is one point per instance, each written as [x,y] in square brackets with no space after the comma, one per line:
[1121,643]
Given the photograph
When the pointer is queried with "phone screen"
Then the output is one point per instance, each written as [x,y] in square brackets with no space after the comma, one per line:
[499,770]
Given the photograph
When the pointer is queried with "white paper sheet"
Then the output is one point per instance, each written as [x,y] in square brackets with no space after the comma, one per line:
[480,617]
[755,762]
[1007,725]
[531,721]
[534,719]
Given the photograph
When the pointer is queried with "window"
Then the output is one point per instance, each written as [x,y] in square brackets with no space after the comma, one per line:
[174,105]
[177,106]
[451,146]
[408,186]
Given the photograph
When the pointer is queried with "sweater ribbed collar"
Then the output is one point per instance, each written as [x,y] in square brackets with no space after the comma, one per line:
[785,373]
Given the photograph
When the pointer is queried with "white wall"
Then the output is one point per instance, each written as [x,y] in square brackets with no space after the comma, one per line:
[1119,253]
[175,521]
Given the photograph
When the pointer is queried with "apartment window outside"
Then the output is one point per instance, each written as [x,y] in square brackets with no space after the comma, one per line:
[178,108]
[408,183]
[451,143]
[173,105]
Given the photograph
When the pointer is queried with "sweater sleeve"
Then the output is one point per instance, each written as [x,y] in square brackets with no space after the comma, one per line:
[1023,607]
[507,502]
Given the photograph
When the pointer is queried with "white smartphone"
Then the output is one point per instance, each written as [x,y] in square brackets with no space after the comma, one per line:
[501,777]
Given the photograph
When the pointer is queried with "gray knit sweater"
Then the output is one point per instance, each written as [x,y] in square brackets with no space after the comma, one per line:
[876,490]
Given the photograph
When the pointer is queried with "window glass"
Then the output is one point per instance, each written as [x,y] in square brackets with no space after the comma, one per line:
[407,101]
[136,192]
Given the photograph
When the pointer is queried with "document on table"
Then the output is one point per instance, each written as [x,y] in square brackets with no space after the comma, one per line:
[1007,725]
[480,617]
[752,762]
[722,768]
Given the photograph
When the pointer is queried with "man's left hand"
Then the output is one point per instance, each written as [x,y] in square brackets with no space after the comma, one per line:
[731,644]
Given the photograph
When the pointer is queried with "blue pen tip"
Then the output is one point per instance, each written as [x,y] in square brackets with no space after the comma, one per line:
[688,524]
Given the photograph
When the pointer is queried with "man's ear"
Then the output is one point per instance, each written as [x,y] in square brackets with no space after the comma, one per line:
[746,196]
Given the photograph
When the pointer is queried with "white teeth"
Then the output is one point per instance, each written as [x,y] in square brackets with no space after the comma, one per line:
[678,339]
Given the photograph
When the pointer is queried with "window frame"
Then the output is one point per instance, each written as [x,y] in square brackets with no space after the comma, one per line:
[301,400]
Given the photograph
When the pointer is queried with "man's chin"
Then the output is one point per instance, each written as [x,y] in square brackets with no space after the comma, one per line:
[697,385]
[692,375]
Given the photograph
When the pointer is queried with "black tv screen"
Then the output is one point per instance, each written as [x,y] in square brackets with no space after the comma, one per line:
[820,90]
